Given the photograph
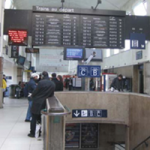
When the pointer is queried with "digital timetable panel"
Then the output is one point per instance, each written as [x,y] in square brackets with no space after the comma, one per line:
[90,31]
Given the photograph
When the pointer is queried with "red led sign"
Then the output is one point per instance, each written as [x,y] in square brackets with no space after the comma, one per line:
[17,37]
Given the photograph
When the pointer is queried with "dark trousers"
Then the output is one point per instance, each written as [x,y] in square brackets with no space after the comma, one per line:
[35,118]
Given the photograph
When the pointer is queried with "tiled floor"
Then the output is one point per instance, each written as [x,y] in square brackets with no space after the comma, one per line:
[13,129]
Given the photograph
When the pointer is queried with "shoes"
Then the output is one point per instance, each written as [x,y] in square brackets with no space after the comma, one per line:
[27,120]
[31,135]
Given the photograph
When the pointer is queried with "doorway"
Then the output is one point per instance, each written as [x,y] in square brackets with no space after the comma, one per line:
[141,79]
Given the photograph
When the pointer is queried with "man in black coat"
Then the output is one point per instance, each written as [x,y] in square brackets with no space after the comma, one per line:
[44,89]
[30,87]
[117,83]
[56,82]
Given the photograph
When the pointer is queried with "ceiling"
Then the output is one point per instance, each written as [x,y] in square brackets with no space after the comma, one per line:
[106,4]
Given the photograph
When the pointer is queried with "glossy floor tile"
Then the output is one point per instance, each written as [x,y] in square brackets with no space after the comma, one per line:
[13,129]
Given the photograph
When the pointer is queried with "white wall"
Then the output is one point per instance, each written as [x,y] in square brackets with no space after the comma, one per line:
[126,58]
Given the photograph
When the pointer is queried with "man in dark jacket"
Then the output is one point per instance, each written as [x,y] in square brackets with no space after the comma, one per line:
[117,83]
[56,82]
[44,89]
[30,87]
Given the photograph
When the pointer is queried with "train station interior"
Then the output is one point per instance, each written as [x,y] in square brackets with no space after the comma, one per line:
[98,51]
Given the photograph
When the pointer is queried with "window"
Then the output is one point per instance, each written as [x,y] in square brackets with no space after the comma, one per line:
[116,51]
[127,45]
[140,9]
[107,52]
[8,4]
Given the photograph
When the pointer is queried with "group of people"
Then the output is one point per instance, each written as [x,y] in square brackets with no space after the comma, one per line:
[38,89]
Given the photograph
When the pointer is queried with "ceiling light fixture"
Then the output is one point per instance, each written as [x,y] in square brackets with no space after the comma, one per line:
[98,2]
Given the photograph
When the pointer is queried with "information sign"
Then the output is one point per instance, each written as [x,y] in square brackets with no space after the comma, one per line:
[89,113]
[90,31]
[88,71]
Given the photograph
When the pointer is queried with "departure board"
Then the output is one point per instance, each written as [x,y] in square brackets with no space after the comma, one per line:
[90,31]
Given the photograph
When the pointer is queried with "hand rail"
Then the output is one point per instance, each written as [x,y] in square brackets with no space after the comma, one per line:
[121,146]
[143,142]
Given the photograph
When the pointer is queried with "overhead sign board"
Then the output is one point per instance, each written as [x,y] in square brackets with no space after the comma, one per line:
[90,31]
[88,71]
[137,41]
[89,113]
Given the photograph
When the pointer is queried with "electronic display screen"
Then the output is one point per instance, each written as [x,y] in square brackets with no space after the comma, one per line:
[32,50]
[18,37]
[21,60]
[74,53]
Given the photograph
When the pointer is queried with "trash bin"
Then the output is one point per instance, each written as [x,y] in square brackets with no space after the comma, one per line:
[14,91]
[53,122]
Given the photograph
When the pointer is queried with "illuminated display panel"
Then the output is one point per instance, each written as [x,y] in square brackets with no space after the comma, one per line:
[32,50]
[17,37]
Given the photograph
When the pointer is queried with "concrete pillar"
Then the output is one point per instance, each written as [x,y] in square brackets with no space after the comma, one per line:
[56,133]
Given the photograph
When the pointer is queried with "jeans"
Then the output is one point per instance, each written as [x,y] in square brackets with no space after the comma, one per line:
[35,118]
[29,115]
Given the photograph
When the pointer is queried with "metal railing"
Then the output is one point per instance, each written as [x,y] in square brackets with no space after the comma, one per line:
[120,146]
[143,142]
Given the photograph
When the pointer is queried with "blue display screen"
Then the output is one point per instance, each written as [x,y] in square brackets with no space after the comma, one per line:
[21,60]
[74,53]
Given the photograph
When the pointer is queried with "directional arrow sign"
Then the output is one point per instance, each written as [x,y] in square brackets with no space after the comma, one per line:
[76,113]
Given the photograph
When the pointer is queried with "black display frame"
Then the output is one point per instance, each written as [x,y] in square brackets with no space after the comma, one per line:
[21,64]
[43,11]
[73,47]
[32,50]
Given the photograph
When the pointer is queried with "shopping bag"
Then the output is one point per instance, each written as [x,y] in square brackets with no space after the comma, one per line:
[38,130]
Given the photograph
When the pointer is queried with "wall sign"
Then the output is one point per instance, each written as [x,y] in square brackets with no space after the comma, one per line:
[89,113]
[88,71]
[14,51]
[89,135]
[139,55]
[72,136]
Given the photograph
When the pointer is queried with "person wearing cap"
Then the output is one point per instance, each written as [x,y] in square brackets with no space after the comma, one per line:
[44,90]
[30,86]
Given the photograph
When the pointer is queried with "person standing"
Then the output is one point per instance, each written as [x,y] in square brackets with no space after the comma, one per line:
[60,82]
[117,83]
[30,87]
[70,84]
[56,82]
[92,84]
[44,89]
[4,88]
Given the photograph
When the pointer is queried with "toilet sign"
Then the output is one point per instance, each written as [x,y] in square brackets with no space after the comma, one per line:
[88,71]
[89,113]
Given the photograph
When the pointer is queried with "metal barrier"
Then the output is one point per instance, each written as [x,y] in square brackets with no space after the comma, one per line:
[54,124]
